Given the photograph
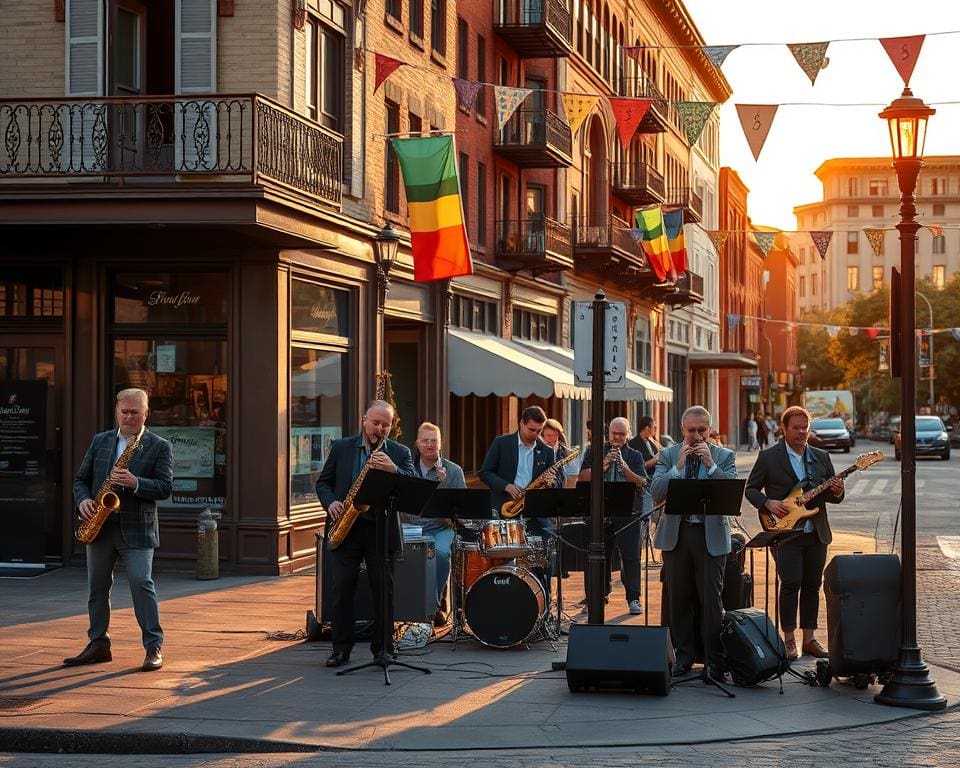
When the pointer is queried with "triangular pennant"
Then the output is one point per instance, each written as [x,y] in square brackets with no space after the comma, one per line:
[628,113]
[822,241]
[718,53]
[732,322]
[508,99]
[576,106]
[633,51]
[756,120]
[385,66]
[718,237]
[872,333]
[693,116]
[765,240]
[853,331]
[811,57]
[903,52]
[875,238]
[935,230]
[466,91]
[833,330]
[955,332]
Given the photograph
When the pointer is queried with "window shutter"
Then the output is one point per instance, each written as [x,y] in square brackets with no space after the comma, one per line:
[85,122]
[196,73]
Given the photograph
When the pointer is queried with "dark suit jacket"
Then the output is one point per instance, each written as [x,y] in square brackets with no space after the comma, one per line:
[343,465]
[499,467]
[152,464]
[772,477]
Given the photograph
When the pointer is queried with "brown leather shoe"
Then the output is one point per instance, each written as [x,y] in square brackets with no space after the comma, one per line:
[791,646]
[92,654]
[152,661]
[813,648]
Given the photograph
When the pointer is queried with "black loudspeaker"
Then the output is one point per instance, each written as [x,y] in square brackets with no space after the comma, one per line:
[621,657]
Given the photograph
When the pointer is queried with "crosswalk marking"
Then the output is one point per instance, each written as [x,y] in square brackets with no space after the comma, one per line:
[950,546]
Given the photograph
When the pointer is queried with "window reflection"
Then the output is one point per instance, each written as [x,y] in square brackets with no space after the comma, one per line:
[316,416]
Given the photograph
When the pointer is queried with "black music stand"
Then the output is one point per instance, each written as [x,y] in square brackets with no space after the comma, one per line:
[720,496]
[388,493]
[459,504]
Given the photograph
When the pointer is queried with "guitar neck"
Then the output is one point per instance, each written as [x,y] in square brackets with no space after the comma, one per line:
[822,487]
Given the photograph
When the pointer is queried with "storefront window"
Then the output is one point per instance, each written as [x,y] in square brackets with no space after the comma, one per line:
[170,298]
[316,378]
[187,382]
[318,309]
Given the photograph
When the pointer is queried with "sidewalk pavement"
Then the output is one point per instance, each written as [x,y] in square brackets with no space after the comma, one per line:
[234,681]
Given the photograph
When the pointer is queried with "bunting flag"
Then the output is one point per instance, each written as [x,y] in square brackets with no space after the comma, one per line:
[832,330]
[628,113]
[467,91]
[765,241]
[955,332]
[718,238]
[508,99]
[935,230]
[756,119]
[822,241]
[872,333]
[903,52]
[875,238]
[385,66]
[693,116]
[811,57]
[732,322]
[718,53]
[673,223]
[577,107]
[437,232]
[633,51]
[654,242]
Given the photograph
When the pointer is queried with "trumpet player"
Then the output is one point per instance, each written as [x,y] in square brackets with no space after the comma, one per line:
[347,457]
[144,477]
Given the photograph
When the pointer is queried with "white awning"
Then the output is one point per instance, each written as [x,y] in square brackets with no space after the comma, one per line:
[639,387]
[721,360]
[479,364]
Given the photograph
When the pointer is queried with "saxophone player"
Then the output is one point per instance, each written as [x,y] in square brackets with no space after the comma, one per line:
[137,466]
[347,457]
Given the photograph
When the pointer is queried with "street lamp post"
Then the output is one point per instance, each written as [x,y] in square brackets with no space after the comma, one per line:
[386,246]
[911,684]
[930,345]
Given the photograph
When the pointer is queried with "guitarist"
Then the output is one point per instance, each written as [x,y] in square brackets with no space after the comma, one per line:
[800,561]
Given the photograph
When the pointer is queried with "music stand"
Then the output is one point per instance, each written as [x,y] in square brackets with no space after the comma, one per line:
[388,493]
[721,496]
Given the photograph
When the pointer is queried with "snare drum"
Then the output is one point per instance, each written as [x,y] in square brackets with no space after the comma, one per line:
[473,563]
[505,606]
[505,538]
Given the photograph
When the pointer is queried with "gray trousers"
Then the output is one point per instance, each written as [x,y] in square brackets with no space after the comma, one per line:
[102,556]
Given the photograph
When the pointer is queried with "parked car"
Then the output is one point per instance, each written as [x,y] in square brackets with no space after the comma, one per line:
[894,428]
[831,433]
[932,438]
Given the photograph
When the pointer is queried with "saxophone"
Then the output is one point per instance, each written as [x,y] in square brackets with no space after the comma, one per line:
[514,507]
[337,530]
[106,500]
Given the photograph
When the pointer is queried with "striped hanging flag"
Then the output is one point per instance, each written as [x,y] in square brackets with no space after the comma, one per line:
[437,232]
[673,221]
[655,244]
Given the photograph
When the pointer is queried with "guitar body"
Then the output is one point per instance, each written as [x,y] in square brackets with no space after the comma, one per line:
[797,515]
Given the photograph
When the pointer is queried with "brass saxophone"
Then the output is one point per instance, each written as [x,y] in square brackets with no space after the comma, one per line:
[337,530]
[106,500]
[514,507]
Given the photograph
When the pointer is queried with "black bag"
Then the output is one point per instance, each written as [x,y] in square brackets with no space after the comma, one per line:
[753,650]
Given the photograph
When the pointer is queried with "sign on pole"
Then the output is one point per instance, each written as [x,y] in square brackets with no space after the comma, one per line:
[884,362]
[614,344]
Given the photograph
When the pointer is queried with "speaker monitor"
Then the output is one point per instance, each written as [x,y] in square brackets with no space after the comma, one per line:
[621,657]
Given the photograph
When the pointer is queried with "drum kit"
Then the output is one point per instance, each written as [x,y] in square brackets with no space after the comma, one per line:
[499,584]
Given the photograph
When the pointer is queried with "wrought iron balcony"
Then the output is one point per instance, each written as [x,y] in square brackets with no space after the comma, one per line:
[689,201]
[637,183]
[642,87]
[535,29]
[540,244]
[606,251]
[536,138]
[160,139]
[689,290]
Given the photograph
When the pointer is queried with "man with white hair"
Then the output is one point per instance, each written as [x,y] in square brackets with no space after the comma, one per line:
[622,463]
[695,546]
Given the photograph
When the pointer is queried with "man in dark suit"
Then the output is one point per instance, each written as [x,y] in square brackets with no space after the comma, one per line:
[347,457]
[646,442]
[515,460]
[799,561]
[695,546]
[130,533]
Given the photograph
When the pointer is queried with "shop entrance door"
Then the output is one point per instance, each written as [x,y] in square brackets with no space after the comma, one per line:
[31,449]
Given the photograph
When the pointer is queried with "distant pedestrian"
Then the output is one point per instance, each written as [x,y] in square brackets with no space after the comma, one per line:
[771,430]
[752,434]
[761,431]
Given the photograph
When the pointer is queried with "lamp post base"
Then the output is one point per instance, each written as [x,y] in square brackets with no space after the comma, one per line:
[911,684]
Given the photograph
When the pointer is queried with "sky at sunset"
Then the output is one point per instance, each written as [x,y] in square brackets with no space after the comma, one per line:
[860,72]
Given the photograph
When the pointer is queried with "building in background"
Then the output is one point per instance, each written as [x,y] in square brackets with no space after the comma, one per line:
[778,349]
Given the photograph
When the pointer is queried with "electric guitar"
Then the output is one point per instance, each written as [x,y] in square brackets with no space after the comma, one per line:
[798,499]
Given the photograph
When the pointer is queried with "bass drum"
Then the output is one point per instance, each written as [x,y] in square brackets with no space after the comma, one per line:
[505,606]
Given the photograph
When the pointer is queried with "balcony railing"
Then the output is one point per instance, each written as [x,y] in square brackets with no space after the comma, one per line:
[689,201]
[160,138]
[637,183]
[612,234]
[689,289]
[536,138]
[538,242]
[535,28]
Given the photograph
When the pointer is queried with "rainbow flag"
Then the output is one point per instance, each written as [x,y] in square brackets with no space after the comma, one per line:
[437,232]
[673,222]
[655,245]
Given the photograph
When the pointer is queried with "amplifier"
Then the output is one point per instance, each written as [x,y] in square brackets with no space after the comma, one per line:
[619,657]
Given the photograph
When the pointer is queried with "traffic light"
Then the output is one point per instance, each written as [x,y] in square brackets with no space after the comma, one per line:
[924,351]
